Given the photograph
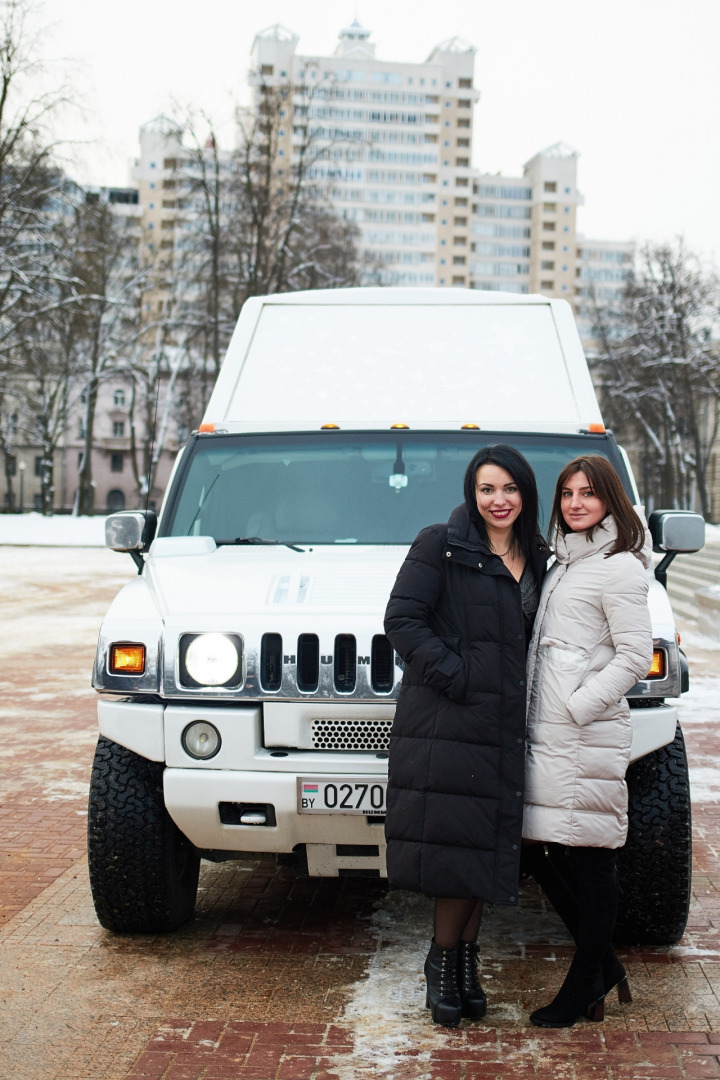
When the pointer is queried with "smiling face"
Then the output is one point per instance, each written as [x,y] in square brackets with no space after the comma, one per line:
[498,498]
[580,506]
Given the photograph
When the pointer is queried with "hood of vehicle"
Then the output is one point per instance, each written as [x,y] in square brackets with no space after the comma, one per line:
[251,580]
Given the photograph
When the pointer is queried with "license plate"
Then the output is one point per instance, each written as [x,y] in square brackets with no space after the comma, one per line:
[363,795]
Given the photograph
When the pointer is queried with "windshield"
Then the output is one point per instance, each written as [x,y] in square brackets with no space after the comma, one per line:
[345,488]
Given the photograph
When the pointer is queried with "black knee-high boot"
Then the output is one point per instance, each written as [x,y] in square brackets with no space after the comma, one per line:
[552,868]
[583,991]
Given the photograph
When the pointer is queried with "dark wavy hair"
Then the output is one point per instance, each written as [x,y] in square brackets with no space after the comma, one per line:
[606,484]
[526,533]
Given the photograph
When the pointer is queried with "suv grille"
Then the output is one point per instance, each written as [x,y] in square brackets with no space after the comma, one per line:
[383,664]
[345,663]
[351,734]
[344,671]
[308,662]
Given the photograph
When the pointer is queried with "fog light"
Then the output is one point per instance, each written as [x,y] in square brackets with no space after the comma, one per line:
[201,740]
[212,659]
[127,659]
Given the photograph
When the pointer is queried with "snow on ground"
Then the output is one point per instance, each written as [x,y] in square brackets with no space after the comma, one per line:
[59,531]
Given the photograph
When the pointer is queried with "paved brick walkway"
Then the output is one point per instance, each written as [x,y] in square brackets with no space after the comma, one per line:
[279,978]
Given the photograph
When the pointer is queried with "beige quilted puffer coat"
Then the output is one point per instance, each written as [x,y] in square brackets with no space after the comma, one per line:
[592,642]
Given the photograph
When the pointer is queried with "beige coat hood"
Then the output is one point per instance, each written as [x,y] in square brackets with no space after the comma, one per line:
[592,642]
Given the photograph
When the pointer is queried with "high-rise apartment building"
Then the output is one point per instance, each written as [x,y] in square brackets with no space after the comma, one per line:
[396,141]
[524,238]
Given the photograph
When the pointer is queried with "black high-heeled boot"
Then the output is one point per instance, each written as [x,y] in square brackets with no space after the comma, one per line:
[581,994]
[472,995]
[614,975]
[443,995]
[545,869]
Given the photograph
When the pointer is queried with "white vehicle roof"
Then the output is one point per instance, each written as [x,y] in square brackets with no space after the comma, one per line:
[428,358]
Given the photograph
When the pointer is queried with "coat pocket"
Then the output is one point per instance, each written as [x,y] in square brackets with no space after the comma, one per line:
[559,673]
[563,657]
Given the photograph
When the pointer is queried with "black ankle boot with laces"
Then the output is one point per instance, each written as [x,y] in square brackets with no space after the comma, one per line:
[443,995]
[472,995]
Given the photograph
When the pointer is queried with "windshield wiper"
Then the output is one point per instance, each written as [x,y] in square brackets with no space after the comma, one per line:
[259,540]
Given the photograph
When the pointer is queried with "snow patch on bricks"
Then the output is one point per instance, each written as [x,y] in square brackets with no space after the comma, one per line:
[386,1012]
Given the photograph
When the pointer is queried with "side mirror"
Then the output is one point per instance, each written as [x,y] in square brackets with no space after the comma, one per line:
[679,531]
[130,530]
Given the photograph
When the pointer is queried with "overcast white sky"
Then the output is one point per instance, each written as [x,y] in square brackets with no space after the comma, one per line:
[633,85]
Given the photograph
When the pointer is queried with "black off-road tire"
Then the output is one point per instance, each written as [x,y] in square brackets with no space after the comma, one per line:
[655,864]
[143,870]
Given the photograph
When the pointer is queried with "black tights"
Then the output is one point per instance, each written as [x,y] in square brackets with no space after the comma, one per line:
[456,920]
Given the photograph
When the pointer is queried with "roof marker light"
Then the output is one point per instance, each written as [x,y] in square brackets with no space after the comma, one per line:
[469,427]
[207,429]
[401,426]
[330,427]
[596,428]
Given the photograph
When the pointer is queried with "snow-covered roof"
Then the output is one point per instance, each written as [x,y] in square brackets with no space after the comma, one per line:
[453,45]
[277,32]
[162,125]
[355,31]
[560,150]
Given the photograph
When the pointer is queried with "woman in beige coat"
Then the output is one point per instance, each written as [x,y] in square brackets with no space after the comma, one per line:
[592,642]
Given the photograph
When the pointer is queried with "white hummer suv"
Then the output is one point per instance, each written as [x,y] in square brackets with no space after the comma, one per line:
[246,687]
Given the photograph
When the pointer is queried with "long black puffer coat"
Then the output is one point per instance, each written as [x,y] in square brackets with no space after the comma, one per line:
[457,746]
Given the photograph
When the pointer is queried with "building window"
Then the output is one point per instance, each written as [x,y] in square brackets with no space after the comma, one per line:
[37,466]
[550,185]
[117,461]
[37,501]
[547,265]
[458,260]
[464,84]
[548,226]
[80,458]
[10,464]
[546,285]
[118,429]
[115,500]
[119,398]
[549,207]
[548,245]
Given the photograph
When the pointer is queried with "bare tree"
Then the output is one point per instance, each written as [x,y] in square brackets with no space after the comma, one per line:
[29,178]
[659,369]
[256,225]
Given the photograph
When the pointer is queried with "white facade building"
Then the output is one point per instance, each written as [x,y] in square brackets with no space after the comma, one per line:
[397,147]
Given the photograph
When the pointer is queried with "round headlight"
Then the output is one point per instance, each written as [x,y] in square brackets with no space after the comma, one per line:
[211,659]
[201,740]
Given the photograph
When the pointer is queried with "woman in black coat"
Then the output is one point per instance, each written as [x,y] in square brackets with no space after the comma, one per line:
[460,616]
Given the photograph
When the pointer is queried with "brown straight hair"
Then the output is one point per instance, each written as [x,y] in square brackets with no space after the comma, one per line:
[607,486]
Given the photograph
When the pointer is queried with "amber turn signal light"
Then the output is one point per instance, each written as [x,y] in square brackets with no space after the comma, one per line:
[657,668]
[127,659]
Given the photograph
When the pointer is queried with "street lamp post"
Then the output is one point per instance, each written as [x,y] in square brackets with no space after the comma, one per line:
[21,467]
